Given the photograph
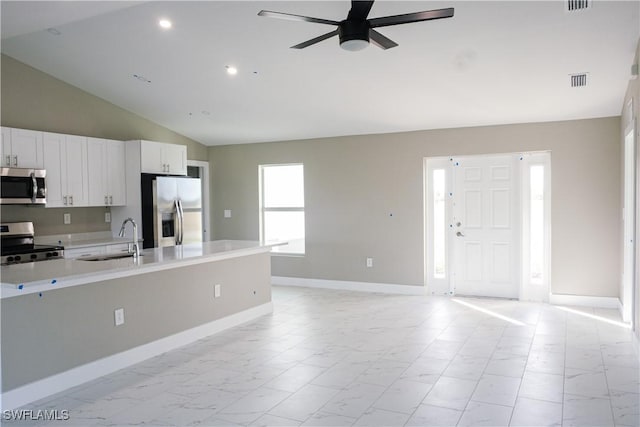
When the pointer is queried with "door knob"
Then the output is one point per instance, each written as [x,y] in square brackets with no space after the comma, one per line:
[459,234]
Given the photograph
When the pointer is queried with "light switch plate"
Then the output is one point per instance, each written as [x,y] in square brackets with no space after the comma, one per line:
[216,291]
[227,213]
[67,218]
[119,316]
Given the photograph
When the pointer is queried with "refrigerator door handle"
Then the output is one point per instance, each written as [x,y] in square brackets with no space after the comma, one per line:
[177,222]
[181,221]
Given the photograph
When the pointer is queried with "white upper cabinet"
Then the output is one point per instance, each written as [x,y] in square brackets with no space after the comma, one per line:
[162,158]
[65,159]
[21,148]
[5,147]
[116,176]
[175,157]
[106,165]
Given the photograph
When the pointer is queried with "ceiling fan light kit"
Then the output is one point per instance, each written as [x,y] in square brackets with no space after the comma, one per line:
[354,35]
[356,32]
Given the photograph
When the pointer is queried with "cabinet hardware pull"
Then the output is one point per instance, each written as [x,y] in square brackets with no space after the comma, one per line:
[64,200]
[15,160]
[8,160]
[71,200]
[110,200]
[106,202]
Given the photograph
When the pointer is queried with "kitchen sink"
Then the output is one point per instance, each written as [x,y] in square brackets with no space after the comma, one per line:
[106,257]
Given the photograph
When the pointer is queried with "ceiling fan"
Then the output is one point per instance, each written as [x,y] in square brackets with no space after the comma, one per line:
[357,31]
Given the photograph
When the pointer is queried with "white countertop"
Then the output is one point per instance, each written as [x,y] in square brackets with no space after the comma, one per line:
[27,278]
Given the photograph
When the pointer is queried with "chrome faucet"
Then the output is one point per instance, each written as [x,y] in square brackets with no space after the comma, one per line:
[136,246]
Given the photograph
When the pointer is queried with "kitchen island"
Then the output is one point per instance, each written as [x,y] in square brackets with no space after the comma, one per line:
[59,317]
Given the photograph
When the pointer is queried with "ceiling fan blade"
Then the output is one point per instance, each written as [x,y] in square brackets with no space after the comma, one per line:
[427,15]
[359,10]
[315,40]
[381,41]
[291,17]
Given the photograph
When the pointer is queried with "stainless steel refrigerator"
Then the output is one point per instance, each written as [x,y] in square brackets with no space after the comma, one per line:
[174,209]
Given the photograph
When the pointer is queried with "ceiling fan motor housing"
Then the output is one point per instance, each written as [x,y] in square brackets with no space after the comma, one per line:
[353,30]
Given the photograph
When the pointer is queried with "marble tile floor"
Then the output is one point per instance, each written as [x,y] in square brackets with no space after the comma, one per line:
[337,358]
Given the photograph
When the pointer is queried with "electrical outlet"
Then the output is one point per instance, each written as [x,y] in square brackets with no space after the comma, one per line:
[216,291]
[227,213]
[369,262]
[67,218]
[107,217]
[119,316]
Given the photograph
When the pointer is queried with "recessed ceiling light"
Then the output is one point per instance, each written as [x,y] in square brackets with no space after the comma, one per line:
[232,70]
[165,23]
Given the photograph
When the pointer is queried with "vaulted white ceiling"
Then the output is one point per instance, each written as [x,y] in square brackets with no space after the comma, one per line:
[492,63]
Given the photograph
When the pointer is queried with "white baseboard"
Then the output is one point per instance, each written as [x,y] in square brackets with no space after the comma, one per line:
[636,345]
[348,286]
[56,383]
[584,301]
[621,311]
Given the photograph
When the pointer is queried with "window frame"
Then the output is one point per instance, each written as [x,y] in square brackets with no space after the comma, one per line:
[263,210]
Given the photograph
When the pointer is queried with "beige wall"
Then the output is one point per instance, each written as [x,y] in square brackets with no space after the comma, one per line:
[353,184]
[34,100]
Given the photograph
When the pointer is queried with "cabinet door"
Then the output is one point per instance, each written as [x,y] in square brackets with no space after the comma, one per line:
[115,155]
[26,149]
[54,153]
[175,156]
[76,170]
[97,167]
[151,159]
[5,147]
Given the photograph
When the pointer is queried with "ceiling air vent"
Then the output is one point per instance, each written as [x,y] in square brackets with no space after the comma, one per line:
[575,5]
[578,80]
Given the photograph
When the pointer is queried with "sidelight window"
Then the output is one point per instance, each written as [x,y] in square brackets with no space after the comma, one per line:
[536,223]
[439,224]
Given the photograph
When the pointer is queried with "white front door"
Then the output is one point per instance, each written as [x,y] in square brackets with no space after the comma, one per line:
[629,227]
[485,226]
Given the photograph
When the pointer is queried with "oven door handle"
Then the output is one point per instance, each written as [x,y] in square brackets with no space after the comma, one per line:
[34,187]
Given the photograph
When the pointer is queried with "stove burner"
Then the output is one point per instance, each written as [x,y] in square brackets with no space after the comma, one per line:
[36,253]
[17,245]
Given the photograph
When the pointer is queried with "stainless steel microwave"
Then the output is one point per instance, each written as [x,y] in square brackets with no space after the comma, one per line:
[20,186]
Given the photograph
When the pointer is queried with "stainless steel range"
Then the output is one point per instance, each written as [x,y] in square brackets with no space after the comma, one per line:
[17,245]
